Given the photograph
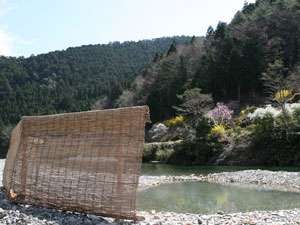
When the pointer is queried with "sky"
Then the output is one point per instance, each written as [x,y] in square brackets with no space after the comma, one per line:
[39,26]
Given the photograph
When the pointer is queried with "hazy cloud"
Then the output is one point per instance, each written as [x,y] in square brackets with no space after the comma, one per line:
[3,7]
[5,37]
[6,42]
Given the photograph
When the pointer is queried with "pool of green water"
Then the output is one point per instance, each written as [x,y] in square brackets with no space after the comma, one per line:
[205,198]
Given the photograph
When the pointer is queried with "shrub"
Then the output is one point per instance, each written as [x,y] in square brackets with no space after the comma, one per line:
[148,153]
[247,110]
[274,112]
[159,151]
[176,121]
[194,103]
[163,155]
[243,119]
[199,150]
[296,116]
[221,114]
[218,130]
[157,132]
[291,108]
[283,95]
[273,144]
[260,113]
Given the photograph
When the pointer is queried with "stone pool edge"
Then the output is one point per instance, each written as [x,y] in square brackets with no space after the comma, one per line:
[283,181]
[263,179]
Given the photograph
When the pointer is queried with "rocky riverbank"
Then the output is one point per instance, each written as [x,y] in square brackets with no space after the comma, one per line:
[17,214]
[280,217]
[269,180]
[263,179]
[12,214]
[279,180]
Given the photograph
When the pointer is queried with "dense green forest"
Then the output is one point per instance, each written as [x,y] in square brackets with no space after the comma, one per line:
[79,78]
[234,71]
[237,68]
[234,62]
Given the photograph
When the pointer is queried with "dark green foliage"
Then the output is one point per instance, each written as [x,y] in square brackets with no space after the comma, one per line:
[198,150]
[244,61]
[194,104]
[74,79]
[161,95]
[240,61]
[159,84]
[159,151]
[172,49]
[248,59]
[274,78]
[274,145]
[4,139]
[231,68]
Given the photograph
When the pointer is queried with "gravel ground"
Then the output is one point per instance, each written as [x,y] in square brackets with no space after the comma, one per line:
[11,214]
[281,217]
[17,214]
[279,180]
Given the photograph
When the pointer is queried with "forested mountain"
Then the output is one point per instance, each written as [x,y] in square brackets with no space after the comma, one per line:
[243,61]
[169,75]
[76,79]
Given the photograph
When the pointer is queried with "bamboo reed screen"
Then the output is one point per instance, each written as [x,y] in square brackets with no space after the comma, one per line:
[87,161]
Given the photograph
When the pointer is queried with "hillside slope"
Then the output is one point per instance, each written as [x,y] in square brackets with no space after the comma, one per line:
[242,62]
[76,79]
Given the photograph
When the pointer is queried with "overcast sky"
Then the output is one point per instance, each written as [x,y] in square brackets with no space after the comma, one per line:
[39,26]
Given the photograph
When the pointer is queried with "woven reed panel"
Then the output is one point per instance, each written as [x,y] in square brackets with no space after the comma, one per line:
[87,161]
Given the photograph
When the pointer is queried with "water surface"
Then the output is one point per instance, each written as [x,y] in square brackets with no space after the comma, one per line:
[202,197]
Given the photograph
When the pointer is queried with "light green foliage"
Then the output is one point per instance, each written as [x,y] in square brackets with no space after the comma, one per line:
[243,119]
[297,116]
[160,151]
[163,155]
